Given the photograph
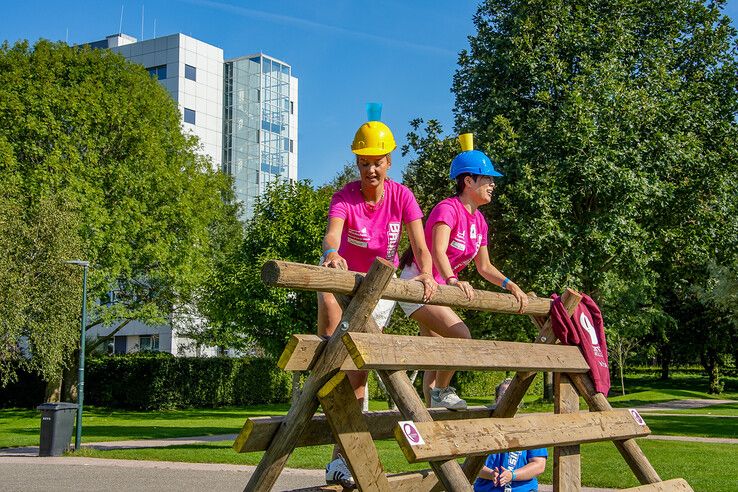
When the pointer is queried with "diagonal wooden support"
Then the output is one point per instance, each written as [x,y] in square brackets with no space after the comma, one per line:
[350,430]
[567,470]
[412,408]
[508,404]
[355,316]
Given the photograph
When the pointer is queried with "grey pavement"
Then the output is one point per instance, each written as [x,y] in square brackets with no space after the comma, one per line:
[683,404]
[95,474]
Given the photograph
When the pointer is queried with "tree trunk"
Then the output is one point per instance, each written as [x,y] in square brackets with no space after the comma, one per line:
[53,390]
[711,364]
[548,389]
[70,380]
[665,361]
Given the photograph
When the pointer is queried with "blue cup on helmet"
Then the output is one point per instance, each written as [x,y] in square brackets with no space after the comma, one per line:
[471,161]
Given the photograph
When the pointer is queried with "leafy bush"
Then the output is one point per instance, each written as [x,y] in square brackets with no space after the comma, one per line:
[161,381]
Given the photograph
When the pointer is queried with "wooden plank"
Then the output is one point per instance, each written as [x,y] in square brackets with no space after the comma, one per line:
[412,408]
[567,468]
[258,432]
[628,448]
[355,317]
[508,405]
[674,485]
[401,482]
[399,352]
[423,441]
[277,273]
[302,351]
[344,416]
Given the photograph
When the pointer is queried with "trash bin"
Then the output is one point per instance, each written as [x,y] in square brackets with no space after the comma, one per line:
[57,424]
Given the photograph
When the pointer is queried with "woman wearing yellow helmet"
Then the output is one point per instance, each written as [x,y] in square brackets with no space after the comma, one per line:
[365,221]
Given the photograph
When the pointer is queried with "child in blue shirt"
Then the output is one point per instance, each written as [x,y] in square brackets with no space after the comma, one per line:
[514,471]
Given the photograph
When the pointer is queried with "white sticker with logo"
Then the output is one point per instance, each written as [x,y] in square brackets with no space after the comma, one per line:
[473,231]
[358,238]
[458,245]
[637,416]
[411,432]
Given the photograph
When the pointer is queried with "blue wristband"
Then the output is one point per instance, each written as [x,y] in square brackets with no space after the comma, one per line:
[326,253]
[504,283]
[513,475]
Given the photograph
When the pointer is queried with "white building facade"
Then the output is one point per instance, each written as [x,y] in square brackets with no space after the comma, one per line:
[244,112]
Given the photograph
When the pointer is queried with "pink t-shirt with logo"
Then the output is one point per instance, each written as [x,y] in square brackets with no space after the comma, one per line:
[468,233]
[371,231]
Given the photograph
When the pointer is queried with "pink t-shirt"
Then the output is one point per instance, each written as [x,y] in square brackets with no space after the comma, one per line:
[468,233]
[371,231]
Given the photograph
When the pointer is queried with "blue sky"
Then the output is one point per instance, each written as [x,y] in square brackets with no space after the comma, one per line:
[345,53]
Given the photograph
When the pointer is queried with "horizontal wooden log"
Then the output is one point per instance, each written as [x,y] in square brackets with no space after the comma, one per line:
[448,440]
[674,485]
[399,352]
[298,276]
[257,432]
[302,351]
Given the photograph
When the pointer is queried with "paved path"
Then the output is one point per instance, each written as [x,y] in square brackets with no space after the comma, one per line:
[683,404]
[93,474]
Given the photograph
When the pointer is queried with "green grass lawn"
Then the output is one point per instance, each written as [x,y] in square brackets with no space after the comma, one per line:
[602,465]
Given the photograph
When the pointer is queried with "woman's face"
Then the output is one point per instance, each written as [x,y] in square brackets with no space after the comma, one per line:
[481,189]
[373,169]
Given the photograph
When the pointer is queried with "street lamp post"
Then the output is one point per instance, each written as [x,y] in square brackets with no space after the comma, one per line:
[81,372]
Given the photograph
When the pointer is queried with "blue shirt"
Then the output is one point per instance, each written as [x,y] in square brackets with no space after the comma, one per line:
[502,459]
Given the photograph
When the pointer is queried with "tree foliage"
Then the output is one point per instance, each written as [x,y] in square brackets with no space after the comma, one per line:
[91,136]
[288,223]
[614,124]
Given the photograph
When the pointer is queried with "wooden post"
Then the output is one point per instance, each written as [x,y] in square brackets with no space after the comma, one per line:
[277,273]
[412,408]
[355,317]
[567,474]
[351,432]
[629,449]
[508,404]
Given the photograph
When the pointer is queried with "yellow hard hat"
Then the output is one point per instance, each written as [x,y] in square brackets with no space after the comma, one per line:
[373,138]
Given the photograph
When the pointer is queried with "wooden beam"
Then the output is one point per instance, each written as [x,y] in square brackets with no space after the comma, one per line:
[674,485]
[344,416]
[355,317]
[628,448]
[424,441]
[398,352]
[298,276]
[258,432]
[412,408]
[402,482]
[302,352]
[567,468]
[508,405]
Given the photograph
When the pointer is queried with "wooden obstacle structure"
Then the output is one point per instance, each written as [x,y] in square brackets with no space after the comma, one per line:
[437,436]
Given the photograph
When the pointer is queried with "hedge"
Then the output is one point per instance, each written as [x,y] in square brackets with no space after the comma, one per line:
[161,381]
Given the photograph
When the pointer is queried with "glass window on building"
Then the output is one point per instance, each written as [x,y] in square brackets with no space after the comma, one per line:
[148,342]
[160,72]
[190,72]
[189,116]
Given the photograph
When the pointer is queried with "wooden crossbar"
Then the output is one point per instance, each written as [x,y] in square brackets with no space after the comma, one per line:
[399,352]
[258,432]
[302,351]
[451,439]
[674,485]
[276,273]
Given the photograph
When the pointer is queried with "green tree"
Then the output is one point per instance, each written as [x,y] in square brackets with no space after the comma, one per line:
[288,223]
[92,134]
[614,124]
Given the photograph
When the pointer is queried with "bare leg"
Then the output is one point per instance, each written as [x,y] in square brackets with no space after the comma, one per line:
[444,322]
[329,316]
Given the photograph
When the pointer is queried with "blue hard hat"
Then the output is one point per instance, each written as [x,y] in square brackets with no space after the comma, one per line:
[473,162]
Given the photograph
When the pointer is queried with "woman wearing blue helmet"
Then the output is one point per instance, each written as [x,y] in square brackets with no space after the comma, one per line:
[456,232]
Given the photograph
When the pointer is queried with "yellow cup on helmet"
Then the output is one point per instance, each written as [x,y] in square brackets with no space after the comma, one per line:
[373,137]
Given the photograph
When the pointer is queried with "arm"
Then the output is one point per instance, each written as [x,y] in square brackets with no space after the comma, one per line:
[441,236]
[532,469]
[487,270]
[488,473]
[422,257]
[332,241]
